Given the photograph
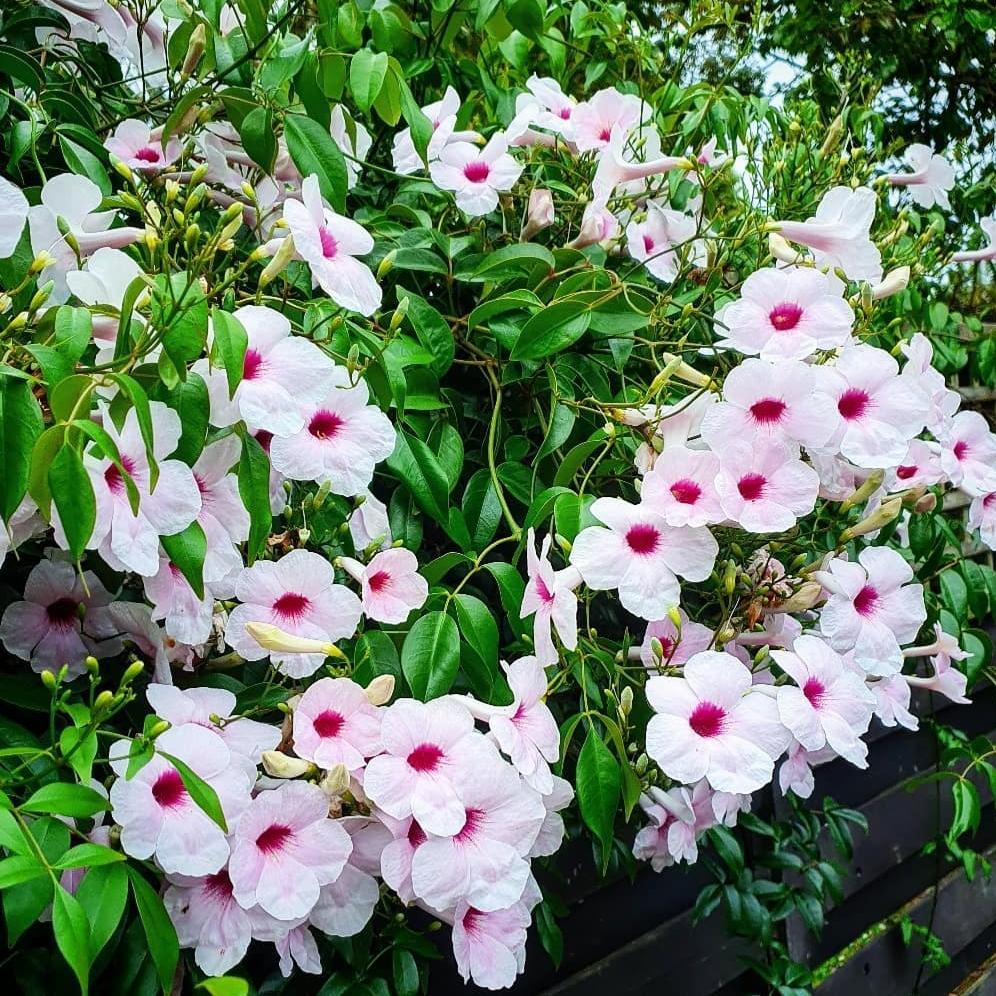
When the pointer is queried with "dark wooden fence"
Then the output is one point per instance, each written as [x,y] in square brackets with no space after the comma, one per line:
[635,938]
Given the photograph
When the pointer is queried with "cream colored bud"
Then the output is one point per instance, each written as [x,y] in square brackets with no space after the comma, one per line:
[539,214]
[926,504]
[895,282]
[869,486]
[781,249]
[283,255]
[195,49]
[172,191]
[626,700]
[18,322]
[399,315]
[335,781]
[249,190]
[275,639]
[41,295]
[279,765]
[882,516]
[686,372]
[805,598]
[122,169]
[198,174]
[380,690]
[675,616]
[656,649]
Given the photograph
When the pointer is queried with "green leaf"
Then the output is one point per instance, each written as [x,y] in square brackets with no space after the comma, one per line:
[728,848]
[420,125]
[551,330]
[72,935]
[510,590]
[477,624]
[65,799]
[73,331]
[512,260]
[954,593]
[225,985]
[258,137]
[190,400]
[143,413]
[203,795]
[481,509]
[21,424]
[526,16]
[159,930]
[254,489]
[599,788]
[367,71]
[432,329]
[430,656]
[187,550]
[415,465]
[73,495]
[405,972]
[109,449]
[228,349]
[313,151]
[103,893]
[88,856]
[179,312]
[18,869]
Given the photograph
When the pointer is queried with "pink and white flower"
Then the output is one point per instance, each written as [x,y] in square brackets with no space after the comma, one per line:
[943,402]
[442,115]
[982,516]
[391,586]
[369,524]
[671,834]
[186,617]
[139,147]
[342,135]
[280,373]
[346,905]
[988,225]
[681,487]
[829,705]
[329,243]
[299,595]
[968,453]
[638,553]
[63,618]
[616,168]
[334,723]
[341,440]
[892,701]
[284,849]
[660,241]
[713,723]
[549,596]
[490,948]
[873,608]
[786,313]
[476,176]
[595,118]
[555,108]
[946,679]
[932,177]
[764,486]
[678,643]
[921,467]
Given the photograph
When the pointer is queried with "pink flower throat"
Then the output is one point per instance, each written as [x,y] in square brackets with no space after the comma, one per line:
[785,316]
[643,539]
[708,719]
[477,172]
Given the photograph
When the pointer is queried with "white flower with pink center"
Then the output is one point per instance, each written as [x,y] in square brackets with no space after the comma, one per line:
[341,441]
[638,553]
[285,848]
[873,608]
[484,863]
[23,524]
[297,594]
[982,516]
[129,540]
[490,948]
[426,747]
[671,834]
[764,486]
[525,730]
[342,134]
[892,702]
[968,454]
[677,424]
[681,487]
[549,597]
[946,680]
[921,467]
[280,372]
[442,115]
[677,643]
[931,179]
[397,855]
[293,940]
[880,411]
[943,402]
[329,243]
[599,226]
[829,705]
[778,401]
[208,919]
[369,524]
[476,176]
[185,617]
[713,723]
[660,241]
[555,108]
[346,905]
[391,586]
[594,119]
[551,833]
[334,723]
[157,814]
[63,618]
[618,171]
[141,148]
[839,235]
[786,314]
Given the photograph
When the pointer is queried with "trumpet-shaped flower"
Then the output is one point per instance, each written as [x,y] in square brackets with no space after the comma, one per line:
[186,617]
[678,643]
[988,225]
[138,147]
[549,596]
[982,516]
[442,115]
[968,454]
[931,179]
[13,216]
[476,176]
[490,948]
[392,587]
[657,241]
[354,153]
[681,486]
[595,118]
[334,723]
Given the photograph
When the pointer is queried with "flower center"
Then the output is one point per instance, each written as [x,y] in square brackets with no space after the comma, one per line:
[62,612]
[425,757]
[324,424]
[643,539]
[990,500]
[648,243]
[865,601]
[814,692]
[148,155]
[905,473]
[565,113]
[707,719]
[472,823]
[785,316]
[604,135]
[378,581]
[218,885]
[853,403]
[477,172]
[273,838]
[768,410]
[686,492]
[471,919]
[328,723]
[113,478]
[329,245]
[291,605]
[546,596]
[960,450]
[416,835]
[264,439]
[168,790]
[252,364]
[751,486]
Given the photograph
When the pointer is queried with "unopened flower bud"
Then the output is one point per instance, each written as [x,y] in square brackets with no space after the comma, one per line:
[41,295]
[563,543]
[869,486]
[724,635]
[283,255]
[626,700]
[103,701]
[200,171]
[656,649]
[335,782]
[867,297]
[92,665]
[134,669]
[686,372]
[275,639]
[172,191]
[805,598]
[322,493]
[159,729]
[926,504]
[675,616]
[399,315]
[895,282]
[279,765]
[882,516]
[353,358]
[49,680]
[195,49]
[122,169]
[730,577]
[386,264]
[380,690]
[539,214]
[303,535]
[780,248]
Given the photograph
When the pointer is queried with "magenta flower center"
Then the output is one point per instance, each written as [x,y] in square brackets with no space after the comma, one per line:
[471,920]
[667,646]
[264,439]
[565,113]
[112,476]
[477,172]
[960,450]
[324,424]
[62,612]
[291,605]
[686,492]
[865,601]
[274,837]
[218,885]
[648,243]
[604,135]
[329,245]
[425,757]
[148,155]
[168,790]
[252,364]
[546,596]
[328,723]
[471,824]
[643,539]
[751,486]
[378,581]
[768,410]
[853,403]
[989,500]
[707,719]
[814,692]
[416,835]
[905,473]
[785,316]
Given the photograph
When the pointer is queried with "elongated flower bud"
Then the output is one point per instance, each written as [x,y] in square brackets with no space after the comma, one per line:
[882,516]
[283,255]
[539,214]
[280,765]
[275,639]
[380,690]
